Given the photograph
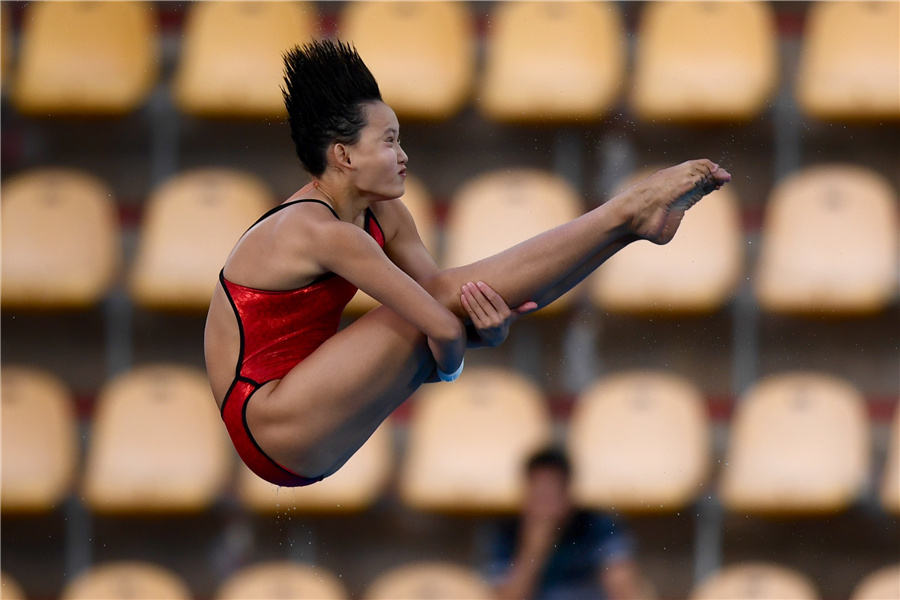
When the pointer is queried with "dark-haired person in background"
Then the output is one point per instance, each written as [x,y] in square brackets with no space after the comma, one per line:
[299,397]
[554,551]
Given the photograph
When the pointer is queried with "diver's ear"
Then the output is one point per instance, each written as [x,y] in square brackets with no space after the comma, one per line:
[340,155]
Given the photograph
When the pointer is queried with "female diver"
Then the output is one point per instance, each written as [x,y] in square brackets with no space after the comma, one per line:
[272,329]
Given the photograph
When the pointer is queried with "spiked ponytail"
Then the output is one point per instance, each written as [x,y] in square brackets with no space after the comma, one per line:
[326,85]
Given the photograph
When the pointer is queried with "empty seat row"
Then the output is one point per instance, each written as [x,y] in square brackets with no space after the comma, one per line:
[434,580]
[273,579]
[829,240]
[640,442]
[543,60]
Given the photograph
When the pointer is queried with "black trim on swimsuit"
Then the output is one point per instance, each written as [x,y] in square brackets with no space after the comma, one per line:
[240,323]
[272,211]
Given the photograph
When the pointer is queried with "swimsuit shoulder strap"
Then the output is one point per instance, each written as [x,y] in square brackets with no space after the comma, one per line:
[291,203]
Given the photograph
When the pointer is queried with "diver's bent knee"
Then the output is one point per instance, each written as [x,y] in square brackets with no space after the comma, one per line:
[443,288]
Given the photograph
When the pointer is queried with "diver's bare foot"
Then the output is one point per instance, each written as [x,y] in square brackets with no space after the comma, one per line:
[661,200]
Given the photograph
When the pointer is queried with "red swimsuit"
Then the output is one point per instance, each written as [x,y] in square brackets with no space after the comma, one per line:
[278,329]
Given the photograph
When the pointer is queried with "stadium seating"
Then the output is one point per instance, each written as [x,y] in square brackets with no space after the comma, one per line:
[6,45]
[418,200]
[552,61]
[883,584]
[433,580]
[69,308]
[127,579]
[890,479]
[849,66]
[10,588]
[85,58]
[61,240]
[230,64]
[639,442]
[426,67]
[282,579]
[704,61]
[190,224]
[762,581]
[40,440]
[157,444]
[696,272]
[353,488]
[799,443]
[829,242]
[497,210]
[468,442]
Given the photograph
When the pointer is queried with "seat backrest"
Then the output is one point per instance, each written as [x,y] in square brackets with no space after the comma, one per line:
[353,488]
[60,239]
[849,65]
[552,60]
[157,444]
[432,580]
[829,242]
[883,584]
[639,442]
[86,58]
[751,581]
[231,58]
[123,580]
[698,271]
[890,479]
[10,588]
[704,61]
[6,45]
[497,210]
[282,579]
[191,223]
[425,68]
[418,200]
[799,443]
[40,440]
[468,442]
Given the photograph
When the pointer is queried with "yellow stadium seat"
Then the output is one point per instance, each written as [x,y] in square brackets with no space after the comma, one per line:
[282,579]
[6,45]
[552,61]
[704,61]
[40,440]
[639,442]
[10,588]
[418,200]
[127,579]
[497,210]
[86,58]
[829,242]
[849,64]
[191,223]
[353,488]
[468,442]
[799,443]
[751,581]
[157,444]
[433,580]
[422,53]
[698,271]
[890,479]
[883,584]
[60,240]
[231,59]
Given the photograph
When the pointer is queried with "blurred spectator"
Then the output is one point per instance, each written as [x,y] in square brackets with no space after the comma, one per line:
[554,551]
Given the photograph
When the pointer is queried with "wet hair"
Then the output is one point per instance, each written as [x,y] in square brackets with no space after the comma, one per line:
[326,87]
[549,458]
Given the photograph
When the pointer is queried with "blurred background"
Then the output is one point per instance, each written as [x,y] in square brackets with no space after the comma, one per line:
[731,396]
